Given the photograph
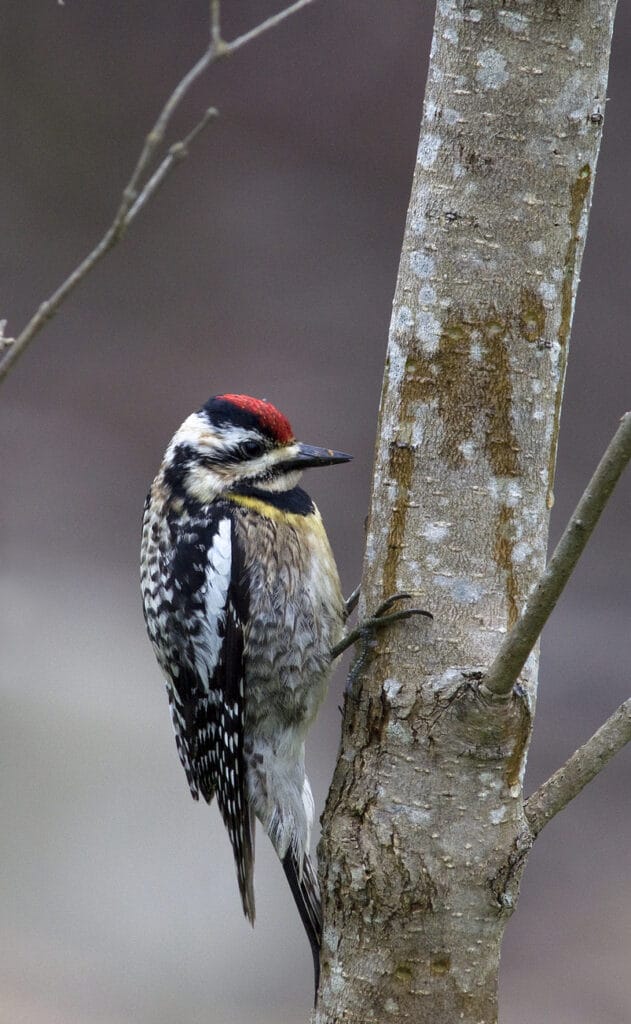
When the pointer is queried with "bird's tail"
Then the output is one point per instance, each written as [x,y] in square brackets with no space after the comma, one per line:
[305,889]
[241,831]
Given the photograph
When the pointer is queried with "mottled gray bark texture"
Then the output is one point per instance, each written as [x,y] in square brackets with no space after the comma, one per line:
[425,835]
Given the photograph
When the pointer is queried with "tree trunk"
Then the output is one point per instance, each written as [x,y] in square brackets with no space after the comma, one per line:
[425,836]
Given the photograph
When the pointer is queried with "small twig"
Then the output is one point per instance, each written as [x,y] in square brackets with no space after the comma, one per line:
[177,152]
[135,194]
[7,342]
[351,601]
[584,765]
[215,23]
[157,133]
[264,26]
[518,644]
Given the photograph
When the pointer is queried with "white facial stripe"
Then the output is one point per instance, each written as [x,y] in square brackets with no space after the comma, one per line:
[282,482]
[265,463]
[227,434]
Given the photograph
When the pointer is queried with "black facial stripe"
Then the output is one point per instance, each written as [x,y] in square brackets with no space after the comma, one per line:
[220,457]
[243,452]
[181,458]
[295,500]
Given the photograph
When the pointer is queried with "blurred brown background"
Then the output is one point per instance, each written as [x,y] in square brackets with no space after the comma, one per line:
[266,265]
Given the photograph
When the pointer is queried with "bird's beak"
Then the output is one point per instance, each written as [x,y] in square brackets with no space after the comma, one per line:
[308,455]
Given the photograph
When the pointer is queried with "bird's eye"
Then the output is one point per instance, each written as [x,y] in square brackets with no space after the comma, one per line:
[252,448]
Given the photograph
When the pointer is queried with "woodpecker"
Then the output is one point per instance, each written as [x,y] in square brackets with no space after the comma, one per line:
[243,605]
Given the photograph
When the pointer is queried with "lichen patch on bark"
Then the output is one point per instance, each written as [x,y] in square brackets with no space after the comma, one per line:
[503,553]
[532,316]
[468,380]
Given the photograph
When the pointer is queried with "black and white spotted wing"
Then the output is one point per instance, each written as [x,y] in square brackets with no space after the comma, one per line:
[207,688]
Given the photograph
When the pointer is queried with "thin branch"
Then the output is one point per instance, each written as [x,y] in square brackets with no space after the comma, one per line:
[352,601]
[518,644]
[271,22]
[215,23]
[583,766]
[136,194]
[7,342]
[177,152]
[156,135]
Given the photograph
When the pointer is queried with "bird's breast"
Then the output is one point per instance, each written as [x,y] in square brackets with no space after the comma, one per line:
[295,615]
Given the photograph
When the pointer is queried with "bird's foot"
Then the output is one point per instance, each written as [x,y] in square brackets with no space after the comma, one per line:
[367,628]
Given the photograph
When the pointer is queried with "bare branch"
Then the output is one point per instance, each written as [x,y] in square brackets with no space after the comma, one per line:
[7,342]
[156,135]
[271,22]
[518,644]
[215,23]
[136,194]
[584,765]
[177,152]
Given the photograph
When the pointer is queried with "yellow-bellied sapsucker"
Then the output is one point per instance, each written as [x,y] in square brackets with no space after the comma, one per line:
[242,603]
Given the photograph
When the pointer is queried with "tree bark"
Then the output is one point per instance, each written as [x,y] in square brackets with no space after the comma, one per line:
[425,835]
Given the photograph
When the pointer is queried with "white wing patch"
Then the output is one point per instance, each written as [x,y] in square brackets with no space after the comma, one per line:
[207,644]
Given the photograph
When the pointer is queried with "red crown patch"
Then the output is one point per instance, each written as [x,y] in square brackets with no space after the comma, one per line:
[271,419]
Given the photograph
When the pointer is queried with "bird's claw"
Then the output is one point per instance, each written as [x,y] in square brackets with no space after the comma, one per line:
[366,629]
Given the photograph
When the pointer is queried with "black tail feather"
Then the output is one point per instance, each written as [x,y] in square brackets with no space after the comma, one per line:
[306,893]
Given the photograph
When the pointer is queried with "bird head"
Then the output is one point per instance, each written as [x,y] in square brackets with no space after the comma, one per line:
[237,441]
